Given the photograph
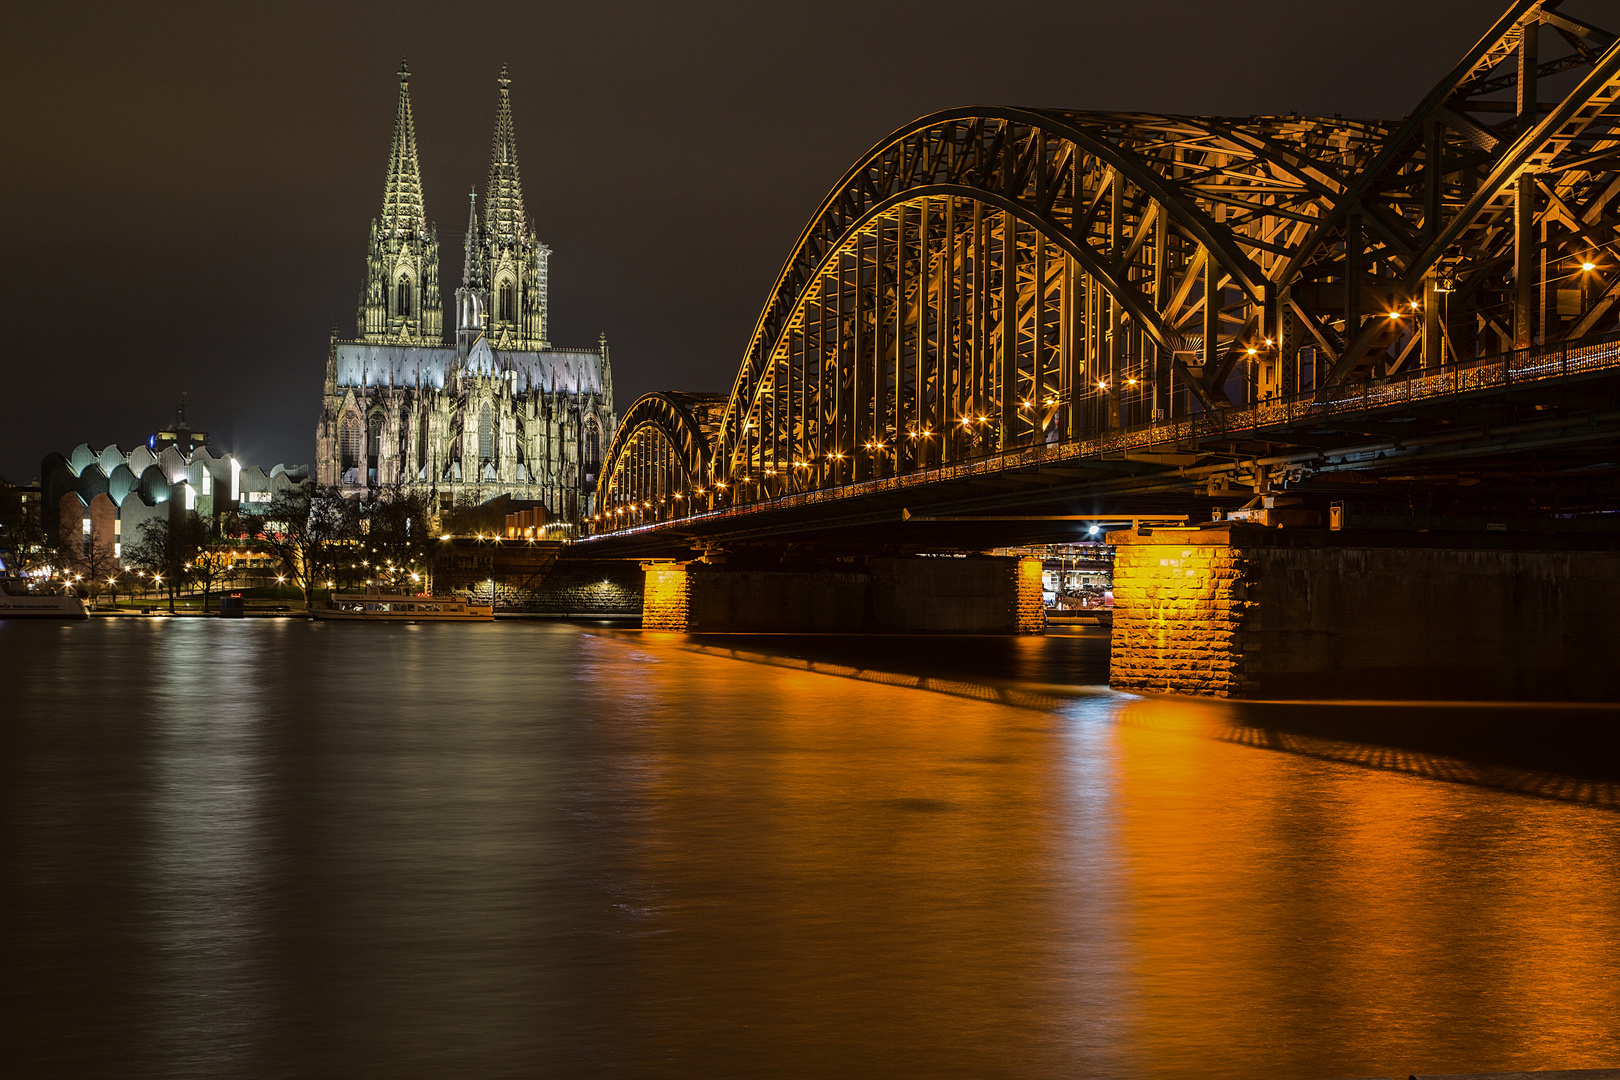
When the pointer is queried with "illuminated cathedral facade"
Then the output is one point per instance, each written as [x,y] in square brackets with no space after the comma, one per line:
[497,410]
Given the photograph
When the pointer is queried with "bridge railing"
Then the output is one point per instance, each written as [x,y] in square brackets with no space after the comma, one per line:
[1533,364]
[1536,364]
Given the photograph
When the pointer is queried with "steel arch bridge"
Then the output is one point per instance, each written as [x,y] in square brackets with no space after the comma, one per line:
[991,279]
[661,450]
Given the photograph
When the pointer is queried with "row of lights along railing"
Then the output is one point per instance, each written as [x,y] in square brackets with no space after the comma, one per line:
[646,511]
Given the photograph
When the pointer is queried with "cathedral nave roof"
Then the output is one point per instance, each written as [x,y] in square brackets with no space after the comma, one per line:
[565,371]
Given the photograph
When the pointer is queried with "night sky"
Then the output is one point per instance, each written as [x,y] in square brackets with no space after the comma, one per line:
[187,190]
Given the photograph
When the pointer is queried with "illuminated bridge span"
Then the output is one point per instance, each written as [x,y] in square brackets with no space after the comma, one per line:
[1003,309]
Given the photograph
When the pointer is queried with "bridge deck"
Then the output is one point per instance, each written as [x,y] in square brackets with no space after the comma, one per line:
[1560,401]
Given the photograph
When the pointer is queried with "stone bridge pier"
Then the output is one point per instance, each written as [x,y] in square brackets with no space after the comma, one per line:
[977,594]
[1240,610]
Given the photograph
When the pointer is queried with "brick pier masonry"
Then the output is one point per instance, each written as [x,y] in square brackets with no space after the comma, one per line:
[535,578]
[1245,611]
[974,595]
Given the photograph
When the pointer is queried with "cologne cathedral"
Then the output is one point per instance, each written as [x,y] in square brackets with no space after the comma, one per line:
[498,411]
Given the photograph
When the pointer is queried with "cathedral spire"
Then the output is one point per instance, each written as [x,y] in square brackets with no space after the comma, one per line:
[400,300]
[473,296]
[472,263]
[402,195]
[503,194]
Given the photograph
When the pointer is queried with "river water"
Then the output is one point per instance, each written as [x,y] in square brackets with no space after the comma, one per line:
[283,849]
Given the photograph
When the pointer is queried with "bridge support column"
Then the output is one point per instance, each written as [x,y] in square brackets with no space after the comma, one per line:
[666,596]
[1179,606]
[1245,611]
[975,595]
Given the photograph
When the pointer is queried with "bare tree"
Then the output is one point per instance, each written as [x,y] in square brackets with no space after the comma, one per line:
[85,560]
[24,546]
[163,552]
[395,540]
[310,532]
[210,545]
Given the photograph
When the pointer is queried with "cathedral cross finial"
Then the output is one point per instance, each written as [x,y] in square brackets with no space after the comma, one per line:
[504,81]
[404,71]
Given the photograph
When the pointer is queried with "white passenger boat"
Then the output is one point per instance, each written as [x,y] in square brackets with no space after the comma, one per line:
[18,601]
[388,605]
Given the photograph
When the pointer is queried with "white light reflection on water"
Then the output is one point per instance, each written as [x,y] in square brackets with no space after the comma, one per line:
[209,857]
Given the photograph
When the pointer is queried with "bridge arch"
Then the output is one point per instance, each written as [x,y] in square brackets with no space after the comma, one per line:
[659,460]
[990,278]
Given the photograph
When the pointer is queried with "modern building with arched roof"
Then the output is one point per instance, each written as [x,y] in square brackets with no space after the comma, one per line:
[100,498]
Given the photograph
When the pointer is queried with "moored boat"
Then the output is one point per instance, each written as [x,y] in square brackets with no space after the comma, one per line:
[388,605]
[18,601]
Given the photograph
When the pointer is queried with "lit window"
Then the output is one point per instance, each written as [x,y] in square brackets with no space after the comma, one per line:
[207,482]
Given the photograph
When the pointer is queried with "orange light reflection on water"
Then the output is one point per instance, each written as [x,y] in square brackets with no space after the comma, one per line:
[1307,918]
[846,874]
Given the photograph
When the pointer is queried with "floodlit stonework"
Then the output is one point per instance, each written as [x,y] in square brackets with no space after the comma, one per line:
[1241,610]
[499,410]
[1179,613]
[666,598]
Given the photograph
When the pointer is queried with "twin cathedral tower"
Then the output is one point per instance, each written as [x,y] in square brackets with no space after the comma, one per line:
[497,412]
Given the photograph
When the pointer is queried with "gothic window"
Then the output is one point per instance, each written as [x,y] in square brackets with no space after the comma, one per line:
[486,436]
[508,302]
[373,447]
[402,297]
[350,443]
[593,445]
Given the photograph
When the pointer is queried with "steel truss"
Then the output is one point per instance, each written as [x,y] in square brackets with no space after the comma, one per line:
[660,455]
[990,279]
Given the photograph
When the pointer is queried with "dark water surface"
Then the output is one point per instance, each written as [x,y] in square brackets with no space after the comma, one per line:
[282,849]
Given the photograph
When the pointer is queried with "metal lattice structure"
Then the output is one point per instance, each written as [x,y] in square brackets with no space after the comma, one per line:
[989,279]
[660,453]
